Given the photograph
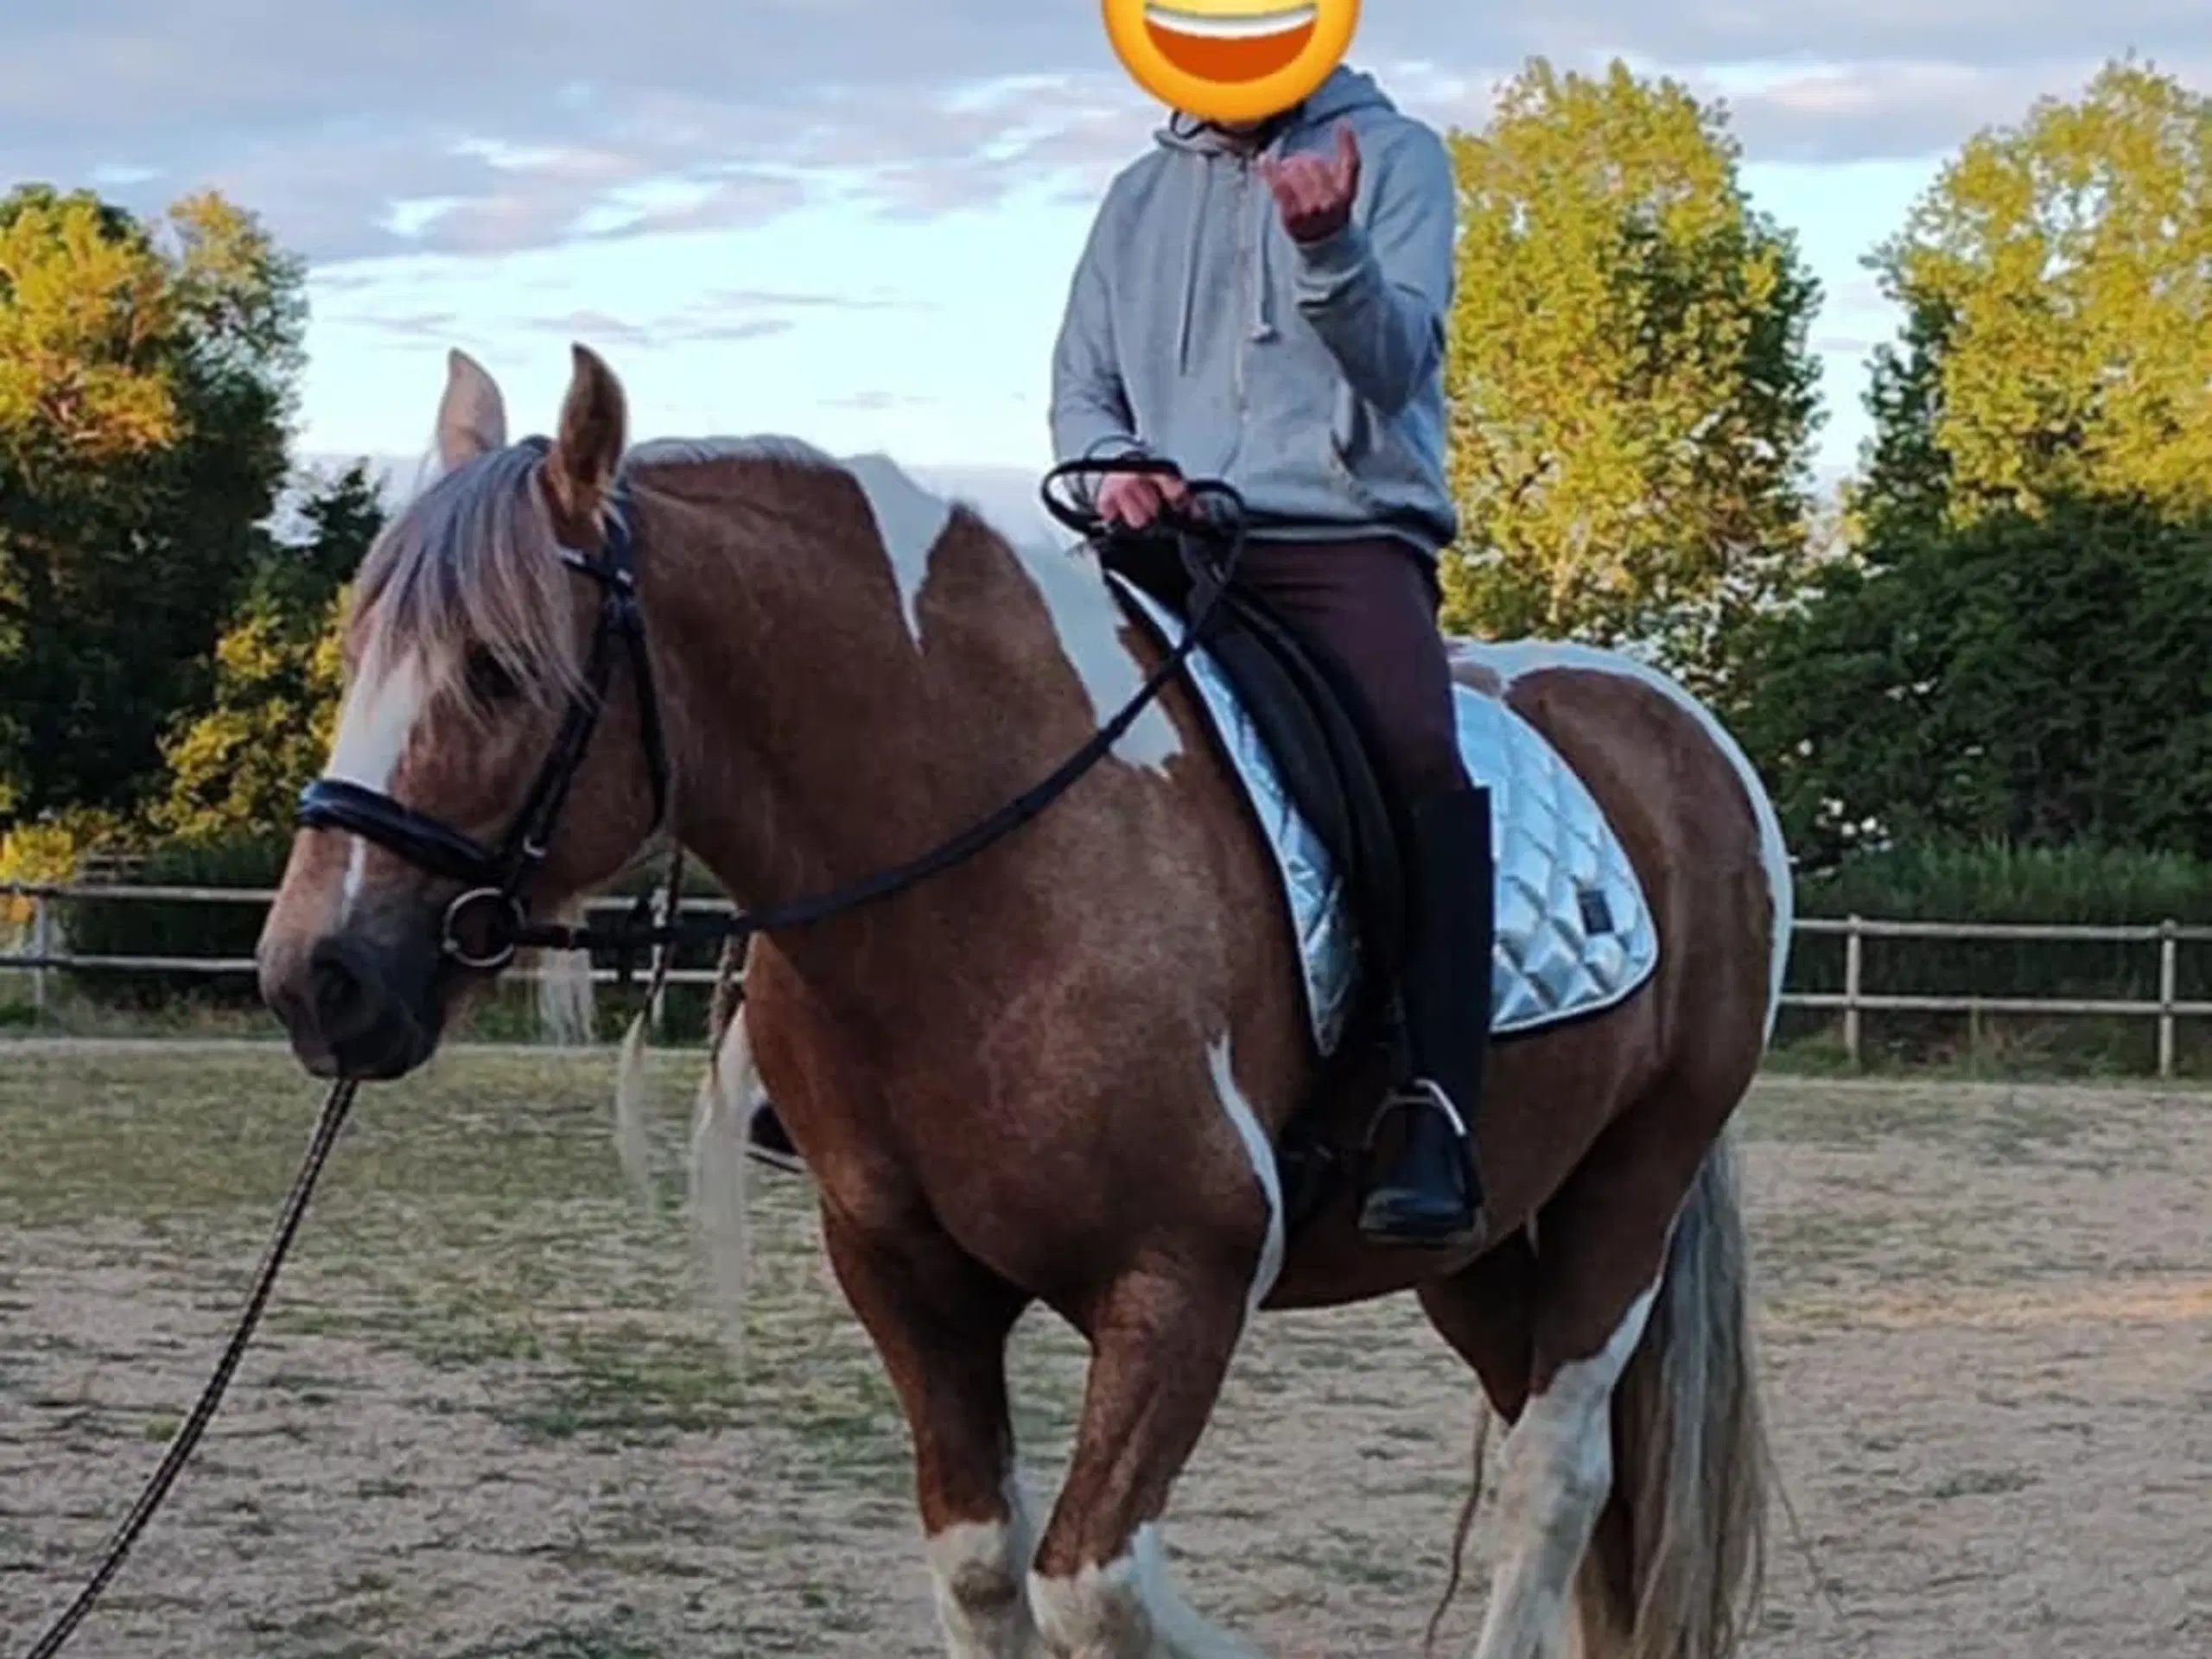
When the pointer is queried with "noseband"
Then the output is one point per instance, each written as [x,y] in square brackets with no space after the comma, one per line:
[494,878]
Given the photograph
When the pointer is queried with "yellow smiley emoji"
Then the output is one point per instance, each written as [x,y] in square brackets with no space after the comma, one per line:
[1230,60]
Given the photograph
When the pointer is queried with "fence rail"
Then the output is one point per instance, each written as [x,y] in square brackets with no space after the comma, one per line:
[1853,1002]
[46,954]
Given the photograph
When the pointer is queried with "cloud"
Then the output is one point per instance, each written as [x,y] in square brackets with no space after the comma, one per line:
[363,129]
[434,325]
[1881,110]
[874,403]
[693,324]
[755,298]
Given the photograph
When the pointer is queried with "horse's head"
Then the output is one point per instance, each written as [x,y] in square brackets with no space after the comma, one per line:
[496,748]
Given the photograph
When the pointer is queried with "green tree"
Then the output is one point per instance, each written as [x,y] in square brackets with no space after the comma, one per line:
[342,512]
[2056,281]
[236,763]
[146,386]
[2016,651]
[1633,394]
[2031,679]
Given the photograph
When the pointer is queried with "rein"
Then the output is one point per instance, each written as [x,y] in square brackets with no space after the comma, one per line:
[495,879]
[335,1106]
[498,877]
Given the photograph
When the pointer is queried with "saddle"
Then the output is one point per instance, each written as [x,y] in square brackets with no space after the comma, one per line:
[1315,724]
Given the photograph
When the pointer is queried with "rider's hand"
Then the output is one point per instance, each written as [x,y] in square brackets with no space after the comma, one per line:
[1135,500]
[1314,193]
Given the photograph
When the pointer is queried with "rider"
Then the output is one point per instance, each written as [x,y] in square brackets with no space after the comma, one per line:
[1265,304]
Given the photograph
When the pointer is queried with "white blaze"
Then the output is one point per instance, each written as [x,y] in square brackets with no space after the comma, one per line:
[374,724]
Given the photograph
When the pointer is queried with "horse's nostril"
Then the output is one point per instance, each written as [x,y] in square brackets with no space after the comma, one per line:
[343,1001]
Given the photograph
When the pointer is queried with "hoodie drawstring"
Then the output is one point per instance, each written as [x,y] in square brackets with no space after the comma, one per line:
[1190,266]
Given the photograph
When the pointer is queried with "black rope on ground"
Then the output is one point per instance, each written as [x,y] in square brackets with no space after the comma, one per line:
[334,1109]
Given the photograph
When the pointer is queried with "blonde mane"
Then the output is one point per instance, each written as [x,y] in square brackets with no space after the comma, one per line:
[471,562]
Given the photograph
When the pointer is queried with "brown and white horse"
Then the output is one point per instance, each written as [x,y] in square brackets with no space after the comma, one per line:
[1053,1073]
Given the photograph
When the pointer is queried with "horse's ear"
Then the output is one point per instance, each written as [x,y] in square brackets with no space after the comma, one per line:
[472,415]
[587,448]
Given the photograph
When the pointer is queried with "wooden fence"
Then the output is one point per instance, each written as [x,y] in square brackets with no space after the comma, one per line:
[45,952]
[1854,1001]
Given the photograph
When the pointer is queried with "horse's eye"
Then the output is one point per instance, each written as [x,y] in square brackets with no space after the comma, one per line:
[488,678]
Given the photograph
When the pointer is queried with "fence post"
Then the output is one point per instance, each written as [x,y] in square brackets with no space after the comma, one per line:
[2168,981]
[664,902]
[42,947]
[1852,963]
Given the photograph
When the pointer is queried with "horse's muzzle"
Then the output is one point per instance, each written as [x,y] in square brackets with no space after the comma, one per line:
[357,1006]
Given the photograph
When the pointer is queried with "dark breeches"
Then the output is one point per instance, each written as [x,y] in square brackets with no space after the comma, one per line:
[1372,603]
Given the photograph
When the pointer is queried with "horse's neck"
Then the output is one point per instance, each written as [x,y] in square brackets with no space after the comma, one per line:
[815,744]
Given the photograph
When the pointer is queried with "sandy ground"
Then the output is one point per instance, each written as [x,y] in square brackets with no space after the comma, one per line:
[487,1417]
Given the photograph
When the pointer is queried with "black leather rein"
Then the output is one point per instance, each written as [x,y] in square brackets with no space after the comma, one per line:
[488,922]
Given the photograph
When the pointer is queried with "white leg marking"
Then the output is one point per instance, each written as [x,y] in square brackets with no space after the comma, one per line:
[908,520]
[1511,659]
[1089,626]
[374,724]
[977,1570]
[1247,1122]
[1558,1469]
[1127,1609]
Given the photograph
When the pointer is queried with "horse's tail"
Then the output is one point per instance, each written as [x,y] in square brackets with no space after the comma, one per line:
[1682,1578]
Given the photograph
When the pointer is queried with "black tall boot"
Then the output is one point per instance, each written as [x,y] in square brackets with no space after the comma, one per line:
[1431,1192]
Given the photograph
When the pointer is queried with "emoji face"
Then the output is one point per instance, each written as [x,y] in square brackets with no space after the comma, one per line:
[1230,60]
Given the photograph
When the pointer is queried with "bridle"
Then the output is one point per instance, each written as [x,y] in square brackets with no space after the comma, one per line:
[494,897]
[495,879]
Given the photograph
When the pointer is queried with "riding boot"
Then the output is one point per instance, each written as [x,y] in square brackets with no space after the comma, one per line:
[1430,1194]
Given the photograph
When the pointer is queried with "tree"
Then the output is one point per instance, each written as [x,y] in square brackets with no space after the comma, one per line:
[235,766]
[2056,281]
[2032,679]
[2016,651]
[341,514]
[236,763]
[146,385]
[1633,394]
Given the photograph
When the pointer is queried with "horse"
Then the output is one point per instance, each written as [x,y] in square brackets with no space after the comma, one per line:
[1057,1072]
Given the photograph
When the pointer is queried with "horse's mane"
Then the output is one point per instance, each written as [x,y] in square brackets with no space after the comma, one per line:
[471,562]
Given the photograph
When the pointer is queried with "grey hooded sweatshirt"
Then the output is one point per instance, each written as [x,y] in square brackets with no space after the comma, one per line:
[1310,377]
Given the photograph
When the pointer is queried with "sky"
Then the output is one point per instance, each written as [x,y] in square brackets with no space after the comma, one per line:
[854,221]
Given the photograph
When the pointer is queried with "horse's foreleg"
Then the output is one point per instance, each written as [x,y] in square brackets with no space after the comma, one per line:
[1100,1588]
[940,1322]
